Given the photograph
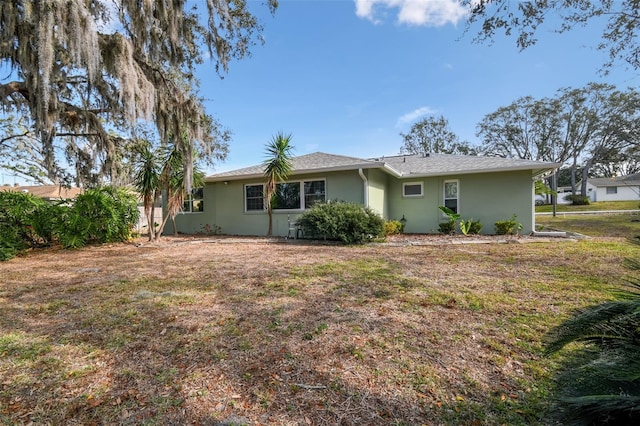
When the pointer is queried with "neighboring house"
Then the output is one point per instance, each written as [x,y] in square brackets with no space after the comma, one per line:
[487,189]
[47,192]
[622,188]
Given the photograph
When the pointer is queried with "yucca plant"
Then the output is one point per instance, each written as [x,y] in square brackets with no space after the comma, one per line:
[604,383]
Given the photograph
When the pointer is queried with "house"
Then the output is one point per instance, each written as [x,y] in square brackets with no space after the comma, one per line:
[487,189]
[622,188]
[47,192]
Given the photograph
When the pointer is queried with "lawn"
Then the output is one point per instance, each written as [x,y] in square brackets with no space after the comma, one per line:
[223,331]
[600,205]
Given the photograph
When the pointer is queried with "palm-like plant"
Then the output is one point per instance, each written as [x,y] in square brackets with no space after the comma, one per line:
[277,167]
[605,386]
[147,182]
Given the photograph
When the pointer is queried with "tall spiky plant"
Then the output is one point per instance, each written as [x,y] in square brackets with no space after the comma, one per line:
[147,183]
[277,168]
[605,385]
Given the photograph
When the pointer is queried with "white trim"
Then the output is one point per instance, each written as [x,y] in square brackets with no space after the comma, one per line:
[444,196]
[405,184]
[244,197]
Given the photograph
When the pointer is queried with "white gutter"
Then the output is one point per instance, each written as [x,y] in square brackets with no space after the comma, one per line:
[366,187]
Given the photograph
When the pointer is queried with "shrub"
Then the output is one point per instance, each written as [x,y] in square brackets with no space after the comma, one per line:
[25,221]
[470,227]
[392,227]
[447,228]
[508,227]
[99,215]
[577,200]
[347,222]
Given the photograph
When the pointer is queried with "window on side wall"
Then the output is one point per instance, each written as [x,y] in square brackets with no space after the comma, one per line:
[254,198]
[451,195]
[194,202]
[299,195]
[612,189]
[412,189]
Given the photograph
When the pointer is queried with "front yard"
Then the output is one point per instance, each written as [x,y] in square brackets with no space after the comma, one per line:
[220,331]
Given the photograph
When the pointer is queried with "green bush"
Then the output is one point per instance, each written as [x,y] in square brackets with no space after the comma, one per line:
[99,215]
[447,228]
[392,227]
[25,221]
[340,221]
[577,200]
[508,227]
[470,227]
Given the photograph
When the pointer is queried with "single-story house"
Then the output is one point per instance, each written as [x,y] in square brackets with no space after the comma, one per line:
[488,189]
[622,188]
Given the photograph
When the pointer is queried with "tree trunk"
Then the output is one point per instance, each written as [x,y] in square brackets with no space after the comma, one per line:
[585,176]
[270,229]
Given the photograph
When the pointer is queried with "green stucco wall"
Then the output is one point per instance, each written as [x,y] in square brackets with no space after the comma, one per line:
[487,197]
[224,206]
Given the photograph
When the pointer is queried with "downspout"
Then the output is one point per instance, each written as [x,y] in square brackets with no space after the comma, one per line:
[366,187]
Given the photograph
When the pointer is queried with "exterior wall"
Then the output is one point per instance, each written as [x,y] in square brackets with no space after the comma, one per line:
[377,187]
[487,197]
[625,193]
[224,206]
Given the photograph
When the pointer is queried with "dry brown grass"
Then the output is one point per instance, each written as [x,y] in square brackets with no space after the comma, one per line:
[221,331]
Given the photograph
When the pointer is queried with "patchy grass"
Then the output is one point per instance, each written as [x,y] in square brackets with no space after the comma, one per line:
[620,225]
[257,333]
[597,206]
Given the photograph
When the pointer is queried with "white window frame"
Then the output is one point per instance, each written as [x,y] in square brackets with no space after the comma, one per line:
[302,195]
[444,193]
[611,190]
[405,184]
[190,199]
[244,197]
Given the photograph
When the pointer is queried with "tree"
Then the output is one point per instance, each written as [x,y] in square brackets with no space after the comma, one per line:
[432,135]
[147,183]
[619,39]
[277,168]
[76,65]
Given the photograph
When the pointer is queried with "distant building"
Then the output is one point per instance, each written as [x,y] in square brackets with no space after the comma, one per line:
[47,192]
[622,188]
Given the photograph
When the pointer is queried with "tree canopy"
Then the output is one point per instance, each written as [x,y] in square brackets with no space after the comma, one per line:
[433,135]
[620,20]
[86,70]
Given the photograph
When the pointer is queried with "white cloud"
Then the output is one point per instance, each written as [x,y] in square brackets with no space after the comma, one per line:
[431,13]
[415,114]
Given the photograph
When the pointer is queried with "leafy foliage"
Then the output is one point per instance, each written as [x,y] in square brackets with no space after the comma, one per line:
[392,227]
[605,385]
[508,227]
[578,200]
[470,227]
[340,221]
[619,36]
[277,167]
[97,216]
[433,135]
[449,227]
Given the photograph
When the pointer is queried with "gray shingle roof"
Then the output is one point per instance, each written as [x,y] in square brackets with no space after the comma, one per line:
[318,161]
[446,164]
[402,166]
[633,179]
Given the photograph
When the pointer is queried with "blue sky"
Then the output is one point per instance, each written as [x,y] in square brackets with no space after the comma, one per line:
[347,80]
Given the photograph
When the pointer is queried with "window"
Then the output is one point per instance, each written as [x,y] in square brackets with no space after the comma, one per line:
[451,195]
[194,202]
[287,196]
[412,189]
[612,189]
[254,198]
[313,193]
